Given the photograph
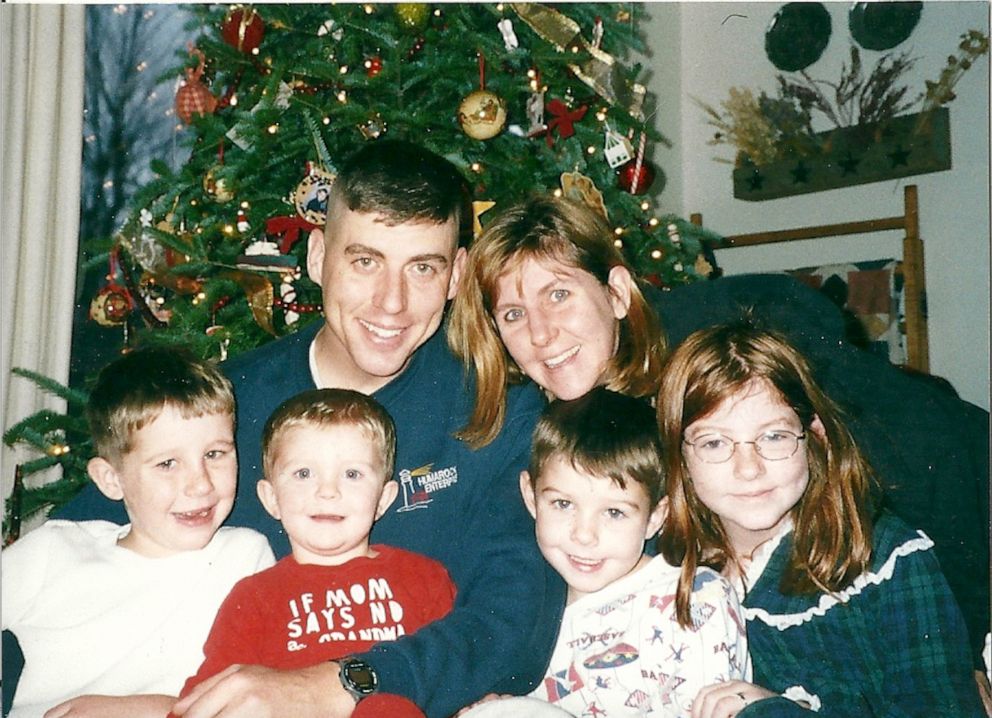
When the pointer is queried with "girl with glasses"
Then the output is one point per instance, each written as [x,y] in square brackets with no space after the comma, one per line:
[847,611]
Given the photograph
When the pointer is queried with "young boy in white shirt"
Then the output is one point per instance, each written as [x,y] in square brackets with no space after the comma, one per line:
[111,619]
[595,487]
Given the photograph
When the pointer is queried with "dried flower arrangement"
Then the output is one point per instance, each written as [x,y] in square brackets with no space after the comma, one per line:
[764,129]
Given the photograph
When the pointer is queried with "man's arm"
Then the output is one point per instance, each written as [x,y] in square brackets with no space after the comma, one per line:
[500,635]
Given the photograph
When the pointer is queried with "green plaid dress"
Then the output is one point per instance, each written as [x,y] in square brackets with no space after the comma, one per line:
[894,645]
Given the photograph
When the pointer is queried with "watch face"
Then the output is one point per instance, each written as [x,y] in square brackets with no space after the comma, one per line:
[360,677]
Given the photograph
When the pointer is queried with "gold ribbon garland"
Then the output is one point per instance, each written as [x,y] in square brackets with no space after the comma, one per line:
[600,71]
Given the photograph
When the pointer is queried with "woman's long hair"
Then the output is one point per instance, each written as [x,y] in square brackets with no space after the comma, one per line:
[833,519]
[543,228]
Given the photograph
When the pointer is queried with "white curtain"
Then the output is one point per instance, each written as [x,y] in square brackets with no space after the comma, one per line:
[42,120]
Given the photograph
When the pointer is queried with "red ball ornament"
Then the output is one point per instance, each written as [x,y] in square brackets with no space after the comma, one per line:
[628,173]
[243,28]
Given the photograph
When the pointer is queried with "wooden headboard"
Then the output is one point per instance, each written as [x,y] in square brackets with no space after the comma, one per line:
[911,266]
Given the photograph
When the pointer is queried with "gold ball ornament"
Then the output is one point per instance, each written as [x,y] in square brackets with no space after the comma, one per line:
[412,16]
[482,114]
[217,187]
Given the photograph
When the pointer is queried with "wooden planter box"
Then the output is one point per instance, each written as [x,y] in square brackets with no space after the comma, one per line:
[902,147]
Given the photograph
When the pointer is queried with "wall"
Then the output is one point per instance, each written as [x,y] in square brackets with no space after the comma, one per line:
[721,45]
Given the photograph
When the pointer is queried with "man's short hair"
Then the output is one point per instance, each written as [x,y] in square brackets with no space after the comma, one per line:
[604,434]
[402,182]
[131,391]
[333,407]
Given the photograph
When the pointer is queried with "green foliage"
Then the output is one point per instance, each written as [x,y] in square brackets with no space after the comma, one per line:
[61,439]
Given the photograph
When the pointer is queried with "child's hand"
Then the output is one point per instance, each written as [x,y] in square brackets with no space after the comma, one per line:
[726,700]
[142,706]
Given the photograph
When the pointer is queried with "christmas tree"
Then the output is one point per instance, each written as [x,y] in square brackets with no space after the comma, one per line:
[521,97]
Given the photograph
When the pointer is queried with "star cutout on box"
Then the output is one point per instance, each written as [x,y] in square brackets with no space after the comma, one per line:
[899,156]
[479,207]
[755,181]
[800,173]
[849,164]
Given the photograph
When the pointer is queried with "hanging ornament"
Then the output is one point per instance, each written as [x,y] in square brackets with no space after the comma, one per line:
[373,127]
[579,188]
[310,197]
[617,149]
[510,41]
[597,32]
[637,175]
[479,207]
[373,66]
[535,106]
[193,99]
[217,187]
[412,16]
[563,121]
[482,114]
[223,336]
[264,256]
[112,303]
[110,306]
[635,178]
[243,29]
[287,293]
[329,27]
[242,222]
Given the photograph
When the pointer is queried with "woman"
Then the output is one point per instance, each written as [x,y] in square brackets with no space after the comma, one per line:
[546,295]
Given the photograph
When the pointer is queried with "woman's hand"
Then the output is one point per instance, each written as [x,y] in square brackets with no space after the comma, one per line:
[726,700]
[93,706]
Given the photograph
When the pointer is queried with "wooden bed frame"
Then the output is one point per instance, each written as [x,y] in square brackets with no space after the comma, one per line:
[911,266]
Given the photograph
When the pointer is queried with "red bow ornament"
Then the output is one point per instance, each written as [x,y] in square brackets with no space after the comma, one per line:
[564,120]
[289,227]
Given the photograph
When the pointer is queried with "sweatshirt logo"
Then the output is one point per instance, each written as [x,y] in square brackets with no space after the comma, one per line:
[418,484]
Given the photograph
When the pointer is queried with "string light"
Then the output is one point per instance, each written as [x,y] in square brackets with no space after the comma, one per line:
[656,254]
[590,150]
[369,9]
[618,243]
[343,70]
[272,129]
[558,192]
[228,229]
[326,120]
[342,97]
[476,167]
[645,205]
[653,222]
[618,231]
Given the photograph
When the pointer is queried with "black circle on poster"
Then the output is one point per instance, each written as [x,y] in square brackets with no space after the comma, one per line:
[882,25]
[797,35]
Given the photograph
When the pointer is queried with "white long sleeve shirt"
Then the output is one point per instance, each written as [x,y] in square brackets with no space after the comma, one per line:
[94,618]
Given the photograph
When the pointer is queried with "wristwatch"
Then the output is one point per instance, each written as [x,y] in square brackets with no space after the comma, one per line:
[358,678]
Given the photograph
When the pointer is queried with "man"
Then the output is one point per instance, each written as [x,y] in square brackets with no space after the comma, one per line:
[387,261]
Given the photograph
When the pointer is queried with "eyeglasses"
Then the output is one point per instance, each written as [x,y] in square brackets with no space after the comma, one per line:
[772,445]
